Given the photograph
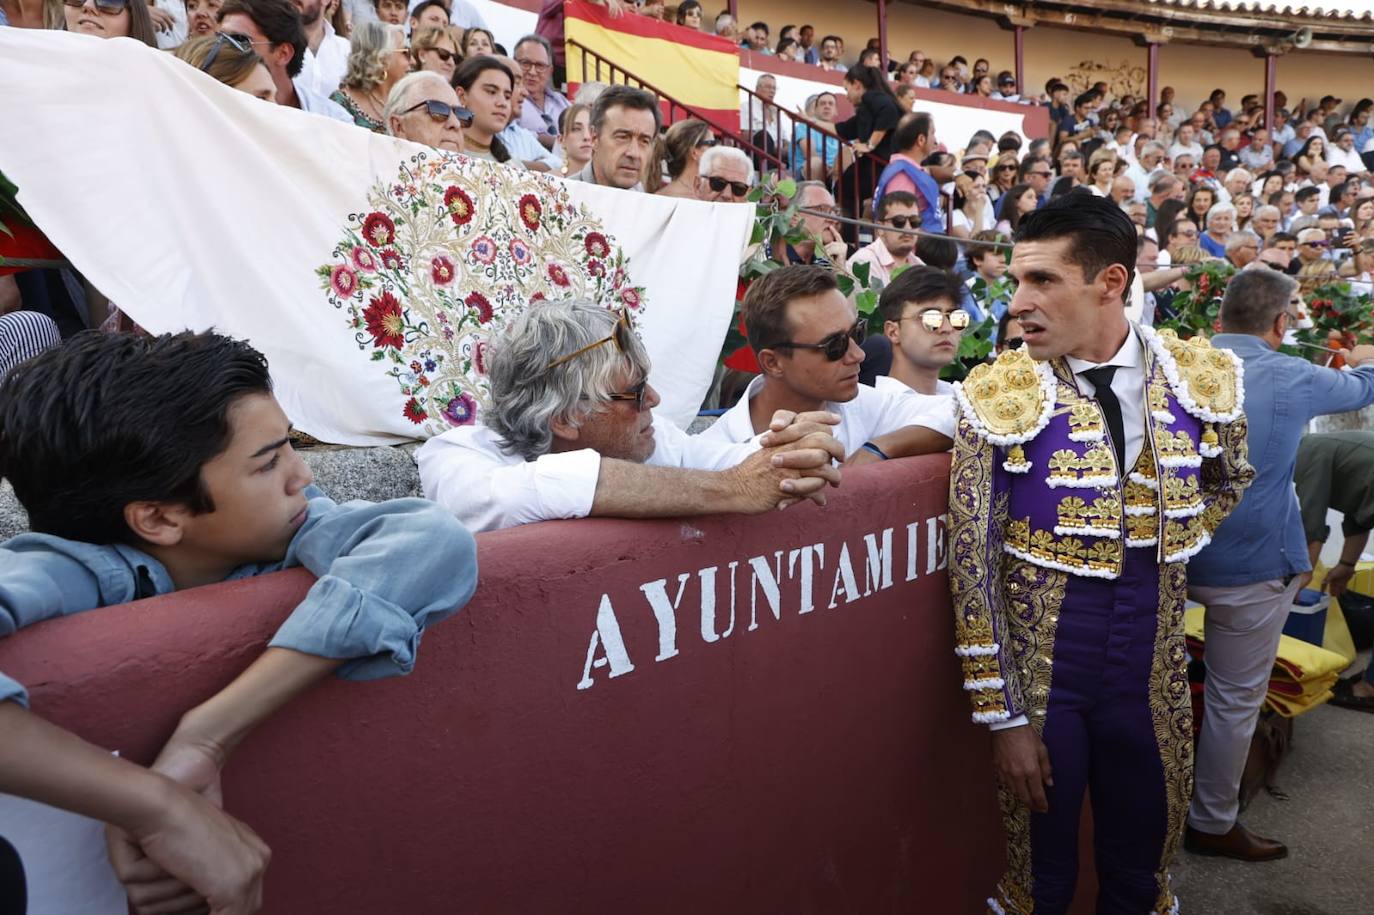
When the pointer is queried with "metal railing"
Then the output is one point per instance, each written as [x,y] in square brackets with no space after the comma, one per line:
[597,68]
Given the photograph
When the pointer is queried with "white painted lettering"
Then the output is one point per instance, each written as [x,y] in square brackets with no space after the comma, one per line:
[764,577]
[878,574]
[911,550]
[844,579]
[935,545]
[665,613]
[708,604]
[807,572]
[607,636]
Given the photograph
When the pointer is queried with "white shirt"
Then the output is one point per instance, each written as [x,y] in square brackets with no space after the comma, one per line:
[870,414]
[1354,165]
[467,15]
[1141,179]
[466,472]
[1195,150]
[937,407]
[315,103]
[881,261]
[1129,386]
[323,70]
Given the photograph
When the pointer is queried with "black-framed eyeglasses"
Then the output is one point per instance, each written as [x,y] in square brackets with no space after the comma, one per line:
[619,335]
[635,395]
[241,43]
[445,55]
[534,65]
[834,346]
[738,188]
[440,111]
[707,140]
[904,222]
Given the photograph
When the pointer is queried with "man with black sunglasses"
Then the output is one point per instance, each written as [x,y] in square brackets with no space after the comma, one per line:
[724,175]
[424,108]
[569,432]
[895,247]
[806,337]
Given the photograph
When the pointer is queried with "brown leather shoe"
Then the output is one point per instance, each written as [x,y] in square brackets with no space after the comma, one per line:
[1240,843]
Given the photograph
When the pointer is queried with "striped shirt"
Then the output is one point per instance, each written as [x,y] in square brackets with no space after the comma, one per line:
[23,335]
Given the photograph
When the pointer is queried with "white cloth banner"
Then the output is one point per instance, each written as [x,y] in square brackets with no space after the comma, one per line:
[371,272]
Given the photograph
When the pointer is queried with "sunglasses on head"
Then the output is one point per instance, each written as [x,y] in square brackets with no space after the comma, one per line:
[620,336]
[241,43]
[738,188]
[904,222]
[104,7]
[440,111]
[834,346]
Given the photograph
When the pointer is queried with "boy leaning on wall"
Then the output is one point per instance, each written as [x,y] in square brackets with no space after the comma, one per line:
[152,465]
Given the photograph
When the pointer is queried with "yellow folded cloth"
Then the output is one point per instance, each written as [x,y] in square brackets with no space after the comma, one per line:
[1303,673]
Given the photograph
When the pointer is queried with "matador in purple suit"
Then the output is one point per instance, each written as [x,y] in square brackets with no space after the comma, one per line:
[1088,467]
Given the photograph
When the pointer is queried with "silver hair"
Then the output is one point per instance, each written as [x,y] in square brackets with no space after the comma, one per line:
[368,49]
[402,94]
[1254,299]
[1243,237]
[1162,182]
[1267,210]
[1220,209]
[537,39]
[1154,147]
[527,395]
[718,153]
[588,93]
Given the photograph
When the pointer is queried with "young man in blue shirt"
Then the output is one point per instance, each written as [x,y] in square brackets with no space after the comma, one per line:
[152,465]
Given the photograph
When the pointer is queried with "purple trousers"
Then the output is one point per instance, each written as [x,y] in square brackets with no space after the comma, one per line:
[1117,726]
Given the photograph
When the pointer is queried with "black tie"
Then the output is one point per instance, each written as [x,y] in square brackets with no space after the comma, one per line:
[1101,377]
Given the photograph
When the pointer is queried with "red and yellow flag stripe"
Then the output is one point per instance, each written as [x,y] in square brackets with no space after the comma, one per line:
[692,68]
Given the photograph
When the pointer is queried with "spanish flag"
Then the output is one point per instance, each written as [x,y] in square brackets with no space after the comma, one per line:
[696,70]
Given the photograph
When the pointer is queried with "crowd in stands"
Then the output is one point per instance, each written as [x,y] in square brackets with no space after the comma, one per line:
[572,431]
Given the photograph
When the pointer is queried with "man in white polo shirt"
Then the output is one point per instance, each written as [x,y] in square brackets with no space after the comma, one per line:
[923,320]
[806,337]
[569,432]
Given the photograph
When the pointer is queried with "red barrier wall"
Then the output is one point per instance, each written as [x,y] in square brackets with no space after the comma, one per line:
[818,762]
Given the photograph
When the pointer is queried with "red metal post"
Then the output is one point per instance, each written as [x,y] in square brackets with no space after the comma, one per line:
[882,34]
[1153,66]
[1271,70]
[1019,37]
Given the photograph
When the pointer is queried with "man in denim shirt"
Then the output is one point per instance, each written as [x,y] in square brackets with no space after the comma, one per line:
[1258,558]
[151,465]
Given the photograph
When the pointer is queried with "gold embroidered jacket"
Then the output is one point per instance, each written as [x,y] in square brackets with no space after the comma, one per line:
[1036,481]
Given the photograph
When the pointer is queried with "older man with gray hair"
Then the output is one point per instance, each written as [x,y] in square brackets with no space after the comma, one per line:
[570,432]
[1257,559]
[1242,248]
[543,104]
[1151,155]
[1265,221]
[724,175]
[423,107]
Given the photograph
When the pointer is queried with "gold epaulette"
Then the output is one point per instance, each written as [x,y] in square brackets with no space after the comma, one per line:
[1208,382]
[1009,401]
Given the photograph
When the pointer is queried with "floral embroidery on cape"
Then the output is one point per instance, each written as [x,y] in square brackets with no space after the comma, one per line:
[446,255]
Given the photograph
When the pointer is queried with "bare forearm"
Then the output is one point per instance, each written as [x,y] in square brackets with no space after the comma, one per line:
[269,683]
[1352,548]
[40,761]
[629,490]
[912,440]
